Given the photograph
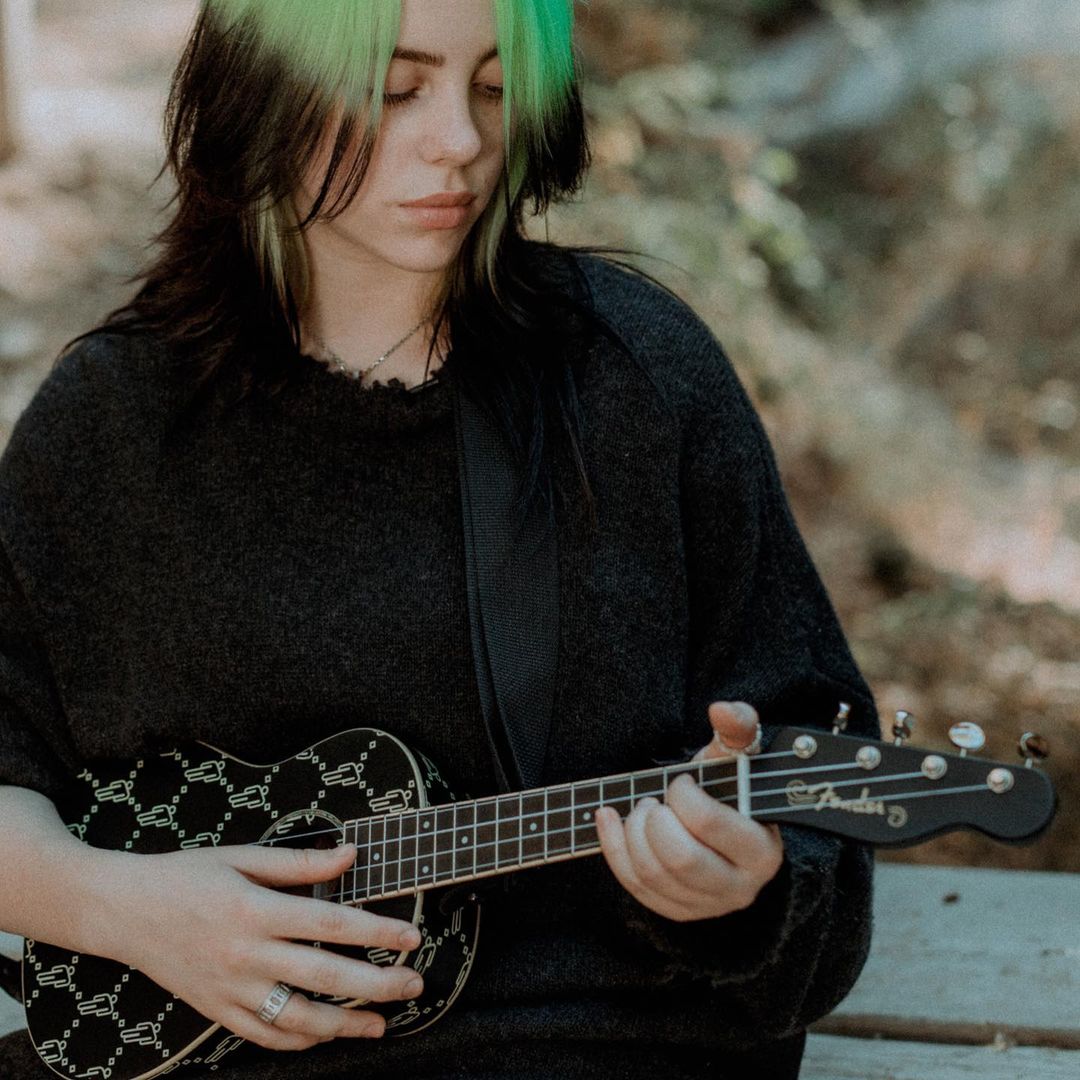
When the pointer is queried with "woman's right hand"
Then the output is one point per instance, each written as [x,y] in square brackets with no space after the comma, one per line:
[208,925]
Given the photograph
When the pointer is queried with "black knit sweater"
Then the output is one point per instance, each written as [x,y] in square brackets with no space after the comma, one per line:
[262,581]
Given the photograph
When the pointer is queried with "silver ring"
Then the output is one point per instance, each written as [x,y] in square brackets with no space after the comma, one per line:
[275,1001]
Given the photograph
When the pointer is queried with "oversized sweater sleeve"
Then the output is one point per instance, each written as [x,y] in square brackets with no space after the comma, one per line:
[32,740]
[762,630]
[39,468]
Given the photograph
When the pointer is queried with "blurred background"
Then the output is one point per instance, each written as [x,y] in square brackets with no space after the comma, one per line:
[876,206]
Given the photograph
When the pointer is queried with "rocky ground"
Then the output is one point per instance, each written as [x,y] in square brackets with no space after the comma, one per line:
[876,212]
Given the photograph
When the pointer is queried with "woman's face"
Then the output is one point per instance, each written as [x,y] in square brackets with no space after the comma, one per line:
[441,131]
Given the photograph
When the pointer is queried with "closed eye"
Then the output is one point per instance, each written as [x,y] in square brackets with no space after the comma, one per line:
[489,91]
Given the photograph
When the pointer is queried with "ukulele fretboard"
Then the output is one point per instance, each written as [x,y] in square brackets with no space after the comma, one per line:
[438,845]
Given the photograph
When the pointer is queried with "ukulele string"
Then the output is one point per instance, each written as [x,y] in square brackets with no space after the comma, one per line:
[523,816]
[389,866]
[664,773]
[412,884]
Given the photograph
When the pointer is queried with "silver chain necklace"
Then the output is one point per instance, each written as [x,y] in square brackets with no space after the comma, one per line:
[331,357]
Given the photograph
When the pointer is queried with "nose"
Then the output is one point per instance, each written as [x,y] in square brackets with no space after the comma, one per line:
[453,134]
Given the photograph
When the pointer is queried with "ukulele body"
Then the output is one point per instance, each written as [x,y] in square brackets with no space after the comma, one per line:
[92,1017]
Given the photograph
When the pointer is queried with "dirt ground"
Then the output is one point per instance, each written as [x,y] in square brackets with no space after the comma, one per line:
[899,297]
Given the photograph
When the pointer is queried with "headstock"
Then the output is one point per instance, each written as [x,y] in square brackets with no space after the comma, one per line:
[893,794]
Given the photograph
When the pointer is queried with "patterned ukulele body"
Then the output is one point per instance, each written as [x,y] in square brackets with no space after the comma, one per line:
[94,1018]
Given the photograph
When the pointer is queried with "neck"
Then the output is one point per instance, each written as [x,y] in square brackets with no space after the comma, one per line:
[393,302]
[456,842]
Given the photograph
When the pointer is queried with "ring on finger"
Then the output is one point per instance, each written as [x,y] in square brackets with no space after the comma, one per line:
[275,1001]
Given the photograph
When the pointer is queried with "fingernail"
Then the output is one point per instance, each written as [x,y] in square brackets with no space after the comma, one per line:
[378,1028]
[409,938]
[414,987]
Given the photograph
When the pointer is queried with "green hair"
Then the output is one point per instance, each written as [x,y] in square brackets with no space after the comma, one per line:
[342,49]
[261,89]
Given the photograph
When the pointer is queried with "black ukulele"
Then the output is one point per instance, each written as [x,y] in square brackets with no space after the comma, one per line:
[92,1017]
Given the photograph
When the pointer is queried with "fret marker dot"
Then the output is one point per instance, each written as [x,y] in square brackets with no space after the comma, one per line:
[464,840]
[426,869]
[427,824]
[532,827]
[586,815]
[375,857]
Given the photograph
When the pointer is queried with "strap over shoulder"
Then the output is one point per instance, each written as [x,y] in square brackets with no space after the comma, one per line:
[512,581]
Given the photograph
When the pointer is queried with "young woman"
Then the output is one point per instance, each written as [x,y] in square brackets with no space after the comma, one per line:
[232,514]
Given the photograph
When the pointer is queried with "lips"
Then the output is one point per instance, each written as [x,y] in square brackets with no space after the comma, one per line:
[444,198]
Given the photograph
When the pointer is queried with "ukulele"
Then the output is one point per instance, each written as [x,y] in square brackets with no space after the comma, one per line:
[418,849]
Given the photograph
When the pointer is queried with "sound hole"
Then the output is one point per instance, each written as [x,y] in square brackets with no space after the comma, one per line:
[309,829]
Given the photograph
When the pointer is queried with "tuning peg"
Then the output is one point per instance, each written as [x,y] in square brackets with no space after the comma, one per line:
[841,719]
[966,736]
[902,726]
[1033,748]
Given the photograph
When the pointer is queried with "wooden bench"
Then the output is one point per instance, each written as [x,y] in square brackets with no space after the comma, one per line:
[973,973]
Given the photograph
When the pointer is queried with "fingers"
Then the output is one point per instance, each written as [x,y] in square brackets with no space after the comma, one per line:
[744,843]
[313,1019]
[692,858]
[324,920]
[673,884]
[324,971]
[301,1024]
[735,726]
[289,866]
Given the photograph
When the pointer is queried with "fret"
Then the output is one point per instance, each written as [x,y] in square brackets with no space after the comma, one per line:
[649,785]
[464,839]
[358,887]
[444,842]
[719,776]
[425,846]
[547,792]
[533,826]
[407,874]
[508,843]
[619,794]
[586,800]
[375,855]
[486,841]
[392,853]
[560,821]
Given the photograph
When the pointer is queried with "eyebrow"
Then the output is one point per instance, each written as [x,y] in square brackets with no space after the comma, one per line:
[418,56]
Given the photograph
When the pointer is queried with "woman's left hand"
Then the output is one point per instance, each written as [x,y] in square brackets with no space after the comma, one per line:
[692,856]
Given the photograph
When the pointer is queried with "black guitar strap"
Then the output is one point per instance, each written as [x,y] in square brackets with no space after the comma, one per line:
[512,580]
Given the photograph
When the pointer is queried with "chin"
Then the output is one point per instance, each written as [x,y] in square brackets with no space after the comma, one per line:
[427,257]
